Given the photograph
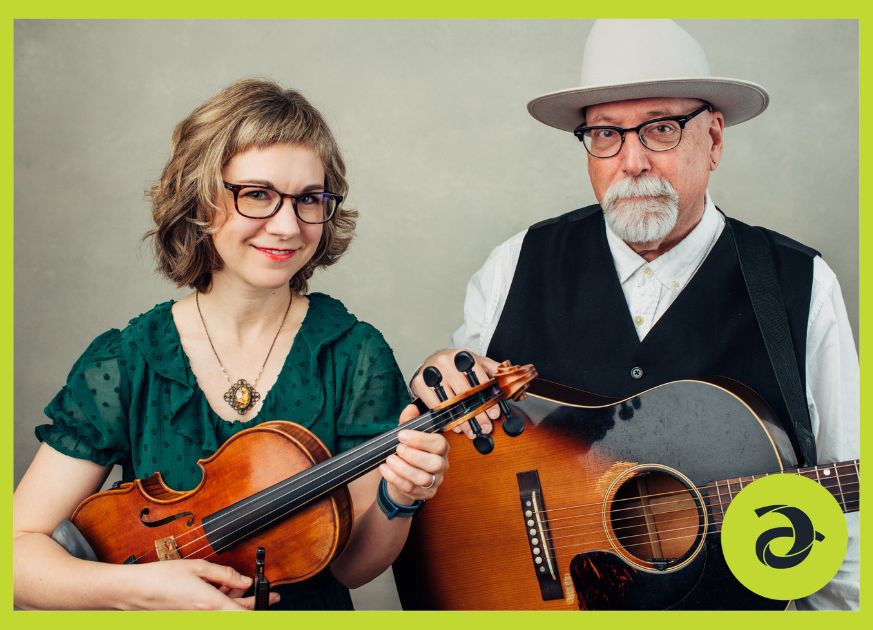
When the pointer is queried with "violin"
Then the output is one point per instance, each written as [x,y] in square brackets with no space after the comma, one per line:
[273,486]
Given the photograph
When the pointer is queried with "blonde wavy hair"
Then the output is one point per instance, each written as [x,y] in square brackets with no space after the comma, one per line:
[251,113]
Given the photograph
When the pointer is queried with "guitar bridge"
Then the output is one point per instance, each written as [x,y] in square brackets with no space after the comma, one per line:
[542,551]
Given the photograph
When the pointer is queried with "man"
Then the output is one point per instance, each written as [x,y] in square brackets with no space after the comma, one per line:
[647,287]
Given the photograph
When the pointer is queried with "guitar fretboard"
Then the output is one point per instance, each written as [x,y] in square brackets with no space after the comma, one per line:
[840,479]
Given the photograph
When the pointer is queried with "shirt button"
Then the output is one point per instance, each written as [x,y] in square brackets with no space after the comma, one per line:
[637,372]
[675,285]
[638,320]
[647,272]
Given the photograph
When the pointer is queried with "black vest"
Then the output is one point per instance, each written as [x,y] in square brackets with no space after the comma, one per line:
[566,313]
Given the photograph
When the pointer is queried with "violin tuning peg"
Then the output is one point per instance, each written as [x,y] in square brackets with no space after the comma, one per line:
[513,425]
[432,378]
[482,442]
[464,362]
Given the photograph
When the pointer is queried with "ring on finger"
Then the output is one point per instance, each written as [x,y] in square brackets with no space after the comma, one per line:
[432,482]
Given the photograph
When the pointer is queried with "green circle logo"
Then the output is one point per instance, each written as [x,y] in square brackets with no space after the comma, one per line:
[784,536]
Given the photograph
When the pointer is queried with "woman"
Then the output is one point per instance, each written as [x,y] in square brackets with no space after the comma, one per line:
[248,206]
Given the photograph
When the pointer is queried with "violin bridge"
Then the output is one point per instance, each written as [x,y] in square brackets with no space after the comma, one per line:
[166,548]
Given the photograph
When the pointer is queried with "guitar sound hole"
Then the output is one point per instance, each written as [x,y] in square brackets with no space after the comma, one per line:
[655,518]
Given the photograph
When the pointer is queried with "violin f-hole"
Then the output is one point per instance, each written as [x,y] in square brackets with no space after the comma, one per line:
[169,519]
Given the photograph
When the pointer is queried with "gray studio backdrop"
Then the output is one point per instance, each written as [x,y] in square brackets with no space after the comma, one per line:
[444,161]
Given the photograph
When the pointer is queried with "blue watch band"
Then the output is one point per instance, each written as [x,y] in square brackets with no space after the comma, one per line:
[391,509]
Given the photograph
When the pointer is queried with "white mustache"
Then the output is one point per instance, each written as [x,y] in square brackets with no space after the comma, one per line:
[630,188]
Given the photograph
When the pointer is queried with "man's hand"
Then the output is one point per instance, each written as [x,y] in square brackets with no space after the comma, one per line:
[454,382]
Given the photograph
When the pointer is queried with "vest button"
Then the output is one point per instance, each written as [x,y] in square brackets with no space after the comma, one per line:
[637,372]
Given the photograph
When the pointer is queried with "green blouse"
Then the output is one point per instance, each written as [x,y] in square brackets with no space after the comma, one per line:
[131,399]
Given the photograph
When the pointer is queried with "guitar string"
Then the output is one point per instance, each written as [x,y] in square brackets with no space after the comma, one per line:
[597,516]
[597,520]
[688,498]
[486,396]
[605,541]
[729,493]
[676,493]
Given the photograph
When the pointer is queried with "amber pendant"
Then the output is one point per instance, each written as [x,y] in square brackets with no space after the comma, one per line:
[241,396]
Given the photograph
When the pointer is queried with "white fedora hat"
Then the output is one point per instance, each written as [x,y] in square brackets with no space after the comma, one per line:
[631,59]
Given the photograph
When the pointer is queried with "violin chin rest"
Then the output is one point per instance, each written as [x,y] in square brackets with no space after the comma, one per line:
[70,538]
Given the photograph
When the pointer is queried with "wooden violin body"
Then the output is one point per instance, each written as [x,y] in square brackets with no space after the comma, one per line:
[274,485]
[129,523]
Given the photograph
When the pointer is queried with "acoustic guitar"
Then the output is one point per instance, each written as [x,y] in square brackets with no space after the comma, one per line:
[602,504]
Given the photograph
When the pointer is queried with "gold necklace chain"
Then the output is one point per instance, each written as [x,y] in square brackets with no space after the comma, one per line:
[242,395]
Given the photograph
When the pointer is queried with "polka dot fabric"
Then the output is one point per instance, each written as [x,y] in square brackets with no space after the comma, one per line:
[131,399]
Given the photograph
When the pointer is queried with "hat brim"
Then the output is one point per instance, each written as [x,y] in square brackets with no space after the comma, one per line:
[738,100]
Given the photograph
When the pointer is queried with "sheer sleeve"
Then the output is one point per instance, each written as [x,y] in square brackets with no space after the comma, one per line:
[372,391]
[89,414]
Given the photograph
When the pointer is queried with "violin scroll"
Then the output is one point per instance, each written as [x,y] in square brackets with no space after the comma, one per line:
[513,380]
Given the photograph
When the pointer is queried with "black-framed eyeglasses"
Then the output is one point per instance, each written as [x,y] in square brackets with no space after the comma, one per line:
[659,134]
[262,202]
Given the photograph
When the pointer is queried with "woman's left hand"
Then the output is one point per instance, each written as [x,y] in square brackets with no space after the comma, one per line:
[416,469]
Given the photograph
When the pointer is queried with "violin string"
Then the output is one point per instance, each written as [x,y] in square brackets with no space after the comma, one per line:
[262,498]
[280,486]
[435,419]
[363,464]
[320,492]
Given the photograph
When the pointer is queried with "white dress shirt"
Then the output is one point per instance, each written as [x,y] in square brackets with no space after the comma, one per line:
[832,373]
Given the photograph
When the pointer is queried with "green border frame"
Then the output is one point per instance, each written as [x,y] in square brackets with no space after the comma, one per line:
[385,9]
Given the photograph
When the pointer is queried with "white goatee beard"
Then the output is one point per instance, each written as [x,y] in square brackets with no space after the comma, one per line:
[642,209]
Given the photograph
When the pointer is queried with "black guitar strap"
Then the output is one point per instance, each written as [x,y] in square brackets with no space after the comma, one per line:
[759,272]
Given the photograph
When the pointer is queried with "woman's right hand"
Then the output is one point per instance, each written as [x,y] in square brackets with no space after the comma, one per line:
[187,585]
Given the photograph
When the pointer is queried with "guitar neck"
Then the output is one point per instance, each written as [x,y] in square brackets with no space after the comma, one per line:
[840,479]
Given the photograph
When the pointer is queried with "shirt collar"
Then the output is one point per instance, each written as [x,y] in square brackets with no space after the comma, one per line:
[678,264]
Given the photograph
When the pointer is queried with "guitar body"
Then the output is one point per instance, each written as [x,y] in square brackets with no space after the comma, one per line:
[598,504]
[134,520]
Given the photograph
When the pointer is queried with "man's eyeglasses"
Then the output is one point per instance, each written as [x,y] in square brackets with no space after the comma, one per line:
[660,134]
[262,202]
